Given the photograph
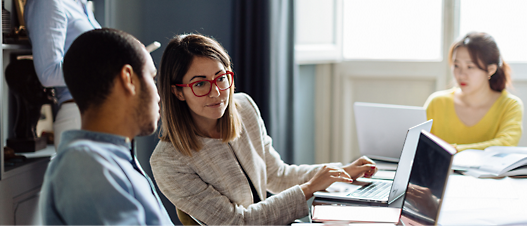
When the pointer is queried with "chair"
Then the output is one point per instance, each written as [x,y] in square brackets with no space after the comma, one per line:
[186,219]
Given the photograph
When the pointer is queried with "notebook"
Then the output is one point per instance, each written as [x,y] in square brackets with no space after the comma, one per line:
[381,128]
[380,191]
[429,175]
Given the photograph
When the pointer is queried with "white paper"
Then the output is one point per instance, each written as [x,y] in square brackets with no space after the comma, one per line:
[46,152]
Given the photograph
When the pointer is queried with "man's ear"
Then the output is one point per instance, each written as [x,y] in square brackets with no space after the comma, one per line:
[177,93]
[492,68]
[128,79]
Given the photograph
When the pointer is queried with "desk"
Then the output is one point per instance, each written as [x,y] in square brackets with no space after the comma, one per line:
[472,201]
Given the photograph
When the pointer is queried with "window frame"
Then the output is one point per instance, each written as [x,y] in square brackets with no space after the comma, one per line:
[317,53]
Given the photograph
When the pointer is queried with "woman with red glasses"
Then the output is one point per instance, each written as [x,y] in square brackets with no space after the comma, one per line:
[215,161]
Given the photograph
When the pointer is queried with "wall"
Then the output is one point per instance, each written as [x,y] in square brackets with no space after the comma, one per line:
[304,115]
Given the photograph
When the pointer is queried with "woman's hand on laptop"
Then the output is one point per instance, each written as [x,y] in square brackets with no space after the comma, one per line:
[362,167]
[323,179]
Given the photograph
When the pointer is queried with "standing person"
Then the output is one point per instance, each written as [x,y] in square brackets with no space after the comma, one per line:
[95,178]
[215,161]
[52,26]
[478,112]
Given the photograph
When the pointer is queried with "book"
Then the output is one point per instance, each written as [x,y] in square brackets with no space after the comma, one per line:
[328,213]
[493,162]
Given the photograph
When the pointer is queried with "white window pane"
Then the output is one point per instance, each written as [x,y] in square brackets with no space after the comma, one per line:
[399,30]
[504,20]
[315,21]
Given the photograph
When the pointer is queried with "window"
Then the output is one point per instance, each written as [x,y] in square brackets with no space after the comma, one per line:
[398,30]
[393,52]
[504,20]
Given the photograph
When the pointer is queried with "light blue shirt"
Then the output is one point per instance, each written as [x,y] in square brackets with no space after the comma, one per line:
[94,180]
[52,26]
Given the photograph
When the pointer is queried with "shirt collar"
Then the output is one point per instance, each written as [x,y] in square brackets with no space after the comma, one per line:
[71,135]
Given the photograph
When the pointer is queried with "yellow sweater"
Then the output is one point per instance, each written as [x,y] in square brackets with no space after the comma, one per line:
[501,125]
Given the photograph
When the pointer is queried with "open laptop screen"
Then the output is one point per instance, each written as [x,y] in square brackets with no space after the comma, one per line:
[428,180]
[381,128]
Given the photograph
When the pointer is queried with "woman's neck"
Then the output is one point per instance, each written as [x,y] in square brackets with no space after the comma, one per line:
[207,127]
[478,98]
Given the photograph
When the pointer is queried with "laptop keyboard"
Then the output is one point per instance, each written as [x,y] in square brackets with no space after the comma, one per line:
[375,190]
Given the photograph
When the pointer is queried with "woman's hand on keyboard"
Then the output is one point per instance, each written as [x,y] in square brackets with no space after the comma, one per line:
[362,167]
[323,179]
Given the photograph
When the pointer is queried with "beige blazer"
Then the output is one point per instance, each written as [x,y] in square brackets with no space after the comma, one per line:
[212,187]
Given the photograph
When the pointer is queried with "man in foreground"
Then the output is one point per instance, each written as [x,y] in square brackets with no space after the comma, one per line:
[95,178]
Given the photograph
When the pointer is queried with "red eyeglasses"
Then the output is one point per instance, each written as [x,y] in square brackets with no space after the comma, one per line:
[203,87]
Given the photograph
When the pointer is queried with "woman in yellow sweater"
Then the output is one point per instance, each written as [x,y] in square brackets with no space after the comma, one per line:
[478,112]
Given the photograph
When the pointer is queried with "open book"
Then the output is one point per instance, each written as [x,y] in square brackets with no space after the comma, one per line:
[495,161]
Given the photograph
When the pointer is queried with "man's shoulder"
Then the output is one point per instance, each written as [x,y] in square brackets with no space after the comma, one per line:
[83,148]
[81,163]
[81,153]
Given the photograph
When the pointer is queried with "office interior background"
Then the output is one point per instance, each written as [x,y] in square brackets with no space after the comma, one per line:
[344,51]
[305,62]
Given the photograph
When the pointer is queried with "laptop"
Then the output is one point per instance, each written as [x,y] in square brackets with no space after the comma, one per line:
[428,180]
[429,175]
[381,128]
[381,192]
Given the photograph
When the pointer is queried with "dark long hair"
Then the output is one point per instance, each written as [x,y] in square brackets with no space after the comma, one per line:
[483,52]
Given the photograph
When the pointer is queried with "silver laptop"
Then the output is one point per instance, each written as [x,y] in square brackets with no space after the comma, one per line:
[382,192]
[426,184]
[381,128]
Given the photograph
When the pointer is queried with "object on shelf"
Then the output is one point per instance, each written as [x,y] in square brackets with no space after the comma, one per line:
[10,158]
[30,95]
[49,151]
[6,20]
[49,135]
[20,30]
[17,33]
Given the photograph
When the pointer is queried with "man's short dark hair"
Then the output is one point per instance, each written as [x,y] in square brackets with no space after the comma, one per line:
[94,60]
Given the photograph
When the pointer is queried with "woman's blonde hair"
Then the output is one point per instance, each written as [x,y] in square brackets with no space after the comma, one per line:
[177,124]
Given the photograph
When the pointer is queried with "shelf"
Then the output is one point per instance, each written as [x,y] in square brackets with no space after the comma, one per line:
[31,159]
[29,164]
[16,47]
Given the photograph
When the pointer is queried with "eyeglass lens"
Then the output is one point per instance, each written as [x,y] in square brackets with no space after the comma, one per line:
[204,87]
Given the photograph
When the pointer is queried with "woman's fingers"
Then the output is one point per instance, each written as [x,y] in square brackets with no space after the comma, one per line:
[340,173]
[363,166]
[369,170]
[323,179]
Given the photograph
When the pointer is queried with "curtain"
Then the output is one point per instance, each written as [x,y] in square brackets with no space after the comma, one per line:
[263,61]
